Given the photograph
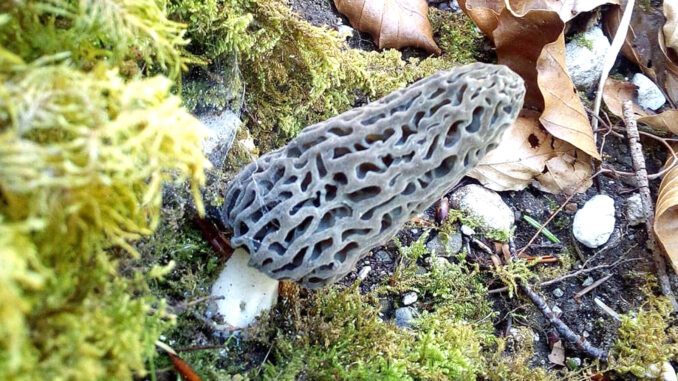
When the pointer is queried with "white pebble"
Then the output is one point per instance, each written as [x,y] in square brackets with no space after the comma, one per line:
[585,63]
[410,298]
[649,95]
[593,224]
[362,275]
[485,206]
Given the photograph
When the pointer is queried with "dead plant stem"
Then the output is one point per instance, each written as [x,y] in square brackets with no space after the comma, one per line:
[643,184]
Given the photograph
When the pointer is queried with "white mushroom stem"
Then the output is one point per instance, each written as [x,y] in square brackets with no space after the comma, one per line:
[246,292]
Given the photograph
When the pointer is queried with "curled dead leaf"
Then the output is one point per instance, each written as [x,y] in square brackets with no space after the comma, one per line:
[564,115]
[671,26]
[529,39]
[616,92]
[666,121]
[557,355]
[527,152]
[645,46]
[567,173]
[520,157]
[391,23]
[666,216]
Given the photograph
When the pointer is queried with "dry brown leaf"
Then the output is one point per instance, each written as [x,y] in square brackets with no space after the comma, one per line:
[527,152]
[666,121]
[557,355]
[616,92]
[671,25]
[391,23]
[532,44]
[567,173]
[670,76]
[644,46]
[564,115]
[519,158]
[566,9]
[666,216]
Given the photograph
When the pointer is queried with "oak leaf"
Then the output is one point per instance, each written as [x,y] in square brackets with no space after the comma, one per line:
[666,216]
[671,26]
[530,41]
[391,23]
[616,92]
[527,154]
[645,46]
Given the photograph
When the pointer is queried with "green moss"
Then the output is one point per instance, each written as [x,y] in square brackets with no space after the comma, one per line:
[513,274]
[84,153]
[133,35]
[646,339]
[295,74]
[582,41]
[510,361]
[547,271]
[338,334]
[454,216]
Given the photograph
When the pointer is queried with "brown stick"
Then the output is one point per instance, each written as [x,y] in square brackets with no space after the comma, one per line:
[566,332]
[642,182]
[593,285]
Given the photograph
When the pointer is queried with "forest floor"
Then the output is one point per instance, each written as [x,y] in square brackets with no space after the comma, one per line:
[623,287]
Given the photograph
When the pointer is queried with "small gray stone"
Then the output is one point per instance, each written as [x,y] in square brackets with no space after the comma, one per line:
[484,205]
[383,256]
[649,95]
[556,310]
[558,293]
[593,224]
[584,58]
[451,247]
[634,210]
[585,334]
[410,298]
[587,282]
[467,230]
[404,317]
[385,306]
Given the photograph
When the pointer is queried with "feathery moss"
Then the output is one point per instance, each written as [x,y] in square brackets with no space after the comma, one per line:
[84,152]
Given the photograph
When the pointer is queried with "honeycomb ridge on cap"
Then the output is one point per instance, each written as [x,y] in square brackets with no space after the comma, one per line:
[312,209]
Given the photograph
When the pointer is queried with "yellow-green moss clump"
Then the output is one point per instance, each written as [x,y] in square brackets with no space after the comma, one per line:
[646,340]
[84,152]
[295,74]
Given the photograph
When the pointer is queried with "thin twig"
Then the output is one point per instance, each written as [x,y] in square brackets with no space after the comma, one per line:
[611,57]
[566,332]
[571,275]
[644,189]
[181,307]
[607,309]
[593,285]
